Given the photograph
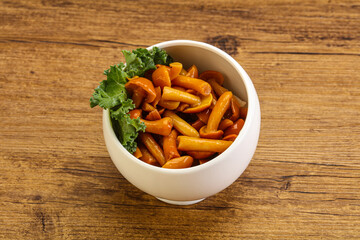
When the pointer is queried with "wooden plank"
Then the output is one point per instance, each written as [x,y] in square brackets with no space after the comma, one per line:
[57,180]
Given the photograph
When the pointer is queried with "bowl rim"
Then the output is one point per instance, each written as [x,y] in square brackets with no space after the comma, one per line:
[251,95]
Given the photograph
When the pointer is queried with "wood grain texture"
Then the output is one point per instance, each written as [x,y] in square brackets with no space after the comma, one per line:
[57,180]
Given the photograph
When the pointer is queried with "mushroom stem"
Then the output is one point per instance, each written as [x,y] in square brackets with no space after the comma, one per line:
[153,115]
[180,162]
[198,85]
[137,153]
[172,94]
[186,143]
[219,90]
[158,96]
[235,128]
[153,147]
[217,76]
[175,69]
[192,72]
[138,96]
[199,154]
[146,156]
[169,146]
[225,124]
[197,124]
[181,125]
[161,127]
[161,77]
[135,113]
[204,115]
[218,111]
[171,105]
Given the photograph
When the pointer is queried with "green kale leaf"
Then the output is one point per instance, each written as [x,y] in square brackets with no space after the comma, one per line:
[141,60]
[126,128]
[111,93]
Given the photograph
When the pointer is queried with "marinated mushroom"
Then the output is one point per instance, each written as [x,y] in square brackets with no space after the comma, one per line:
[162,126]
[217,76]
[142,83]
[211,129]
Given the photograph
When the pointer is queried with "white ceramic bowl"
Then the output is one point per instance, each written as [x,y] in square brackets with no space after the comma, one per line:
[191,185]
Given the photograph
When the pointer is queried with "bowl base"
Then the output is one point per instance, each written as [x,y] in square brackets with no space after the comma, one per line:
[180,202]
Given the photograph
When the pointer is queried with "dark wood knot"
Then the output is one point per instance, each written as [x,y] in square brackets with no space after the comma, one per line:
[227,43]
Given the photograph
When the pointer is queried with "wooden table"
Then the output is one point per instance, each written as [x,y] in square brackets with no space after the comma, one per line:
[57,180]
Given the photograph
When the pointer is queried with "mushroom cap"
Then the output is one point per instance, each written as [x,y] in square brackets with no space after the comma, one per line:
[161,77]
[175,69]
[199,154]
[230,137]
[145,84]
[204,104]
[219,78]
[212,135]
[235,128]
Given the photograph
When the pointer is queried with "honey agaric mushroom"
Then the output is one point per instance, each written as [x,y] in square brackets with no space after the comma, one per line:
[202,161]
[204,115]
[135,113]
[162,126]
[158,96]
[161,77]
[146,156]
[235,128]
[191,91]
[160,65]
[153,147]
[138,96]
[180,162]
[196,84]
[179,88]
[235,109]
[172,94]
[225,124]
[243,112]
[175,69]
[197,124]
[181,125]
[153,115]
[212,135]
[186,143]
[169,146]
[183,72]
[142,83]
[137,153]
[182,107]
[147,107]
[171,105]
[230,137]
[220,108]
[219,90]
[207,75]
[214,99]
[211,129]
[192,72]
[161,110]
[200,154]
[204,104]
